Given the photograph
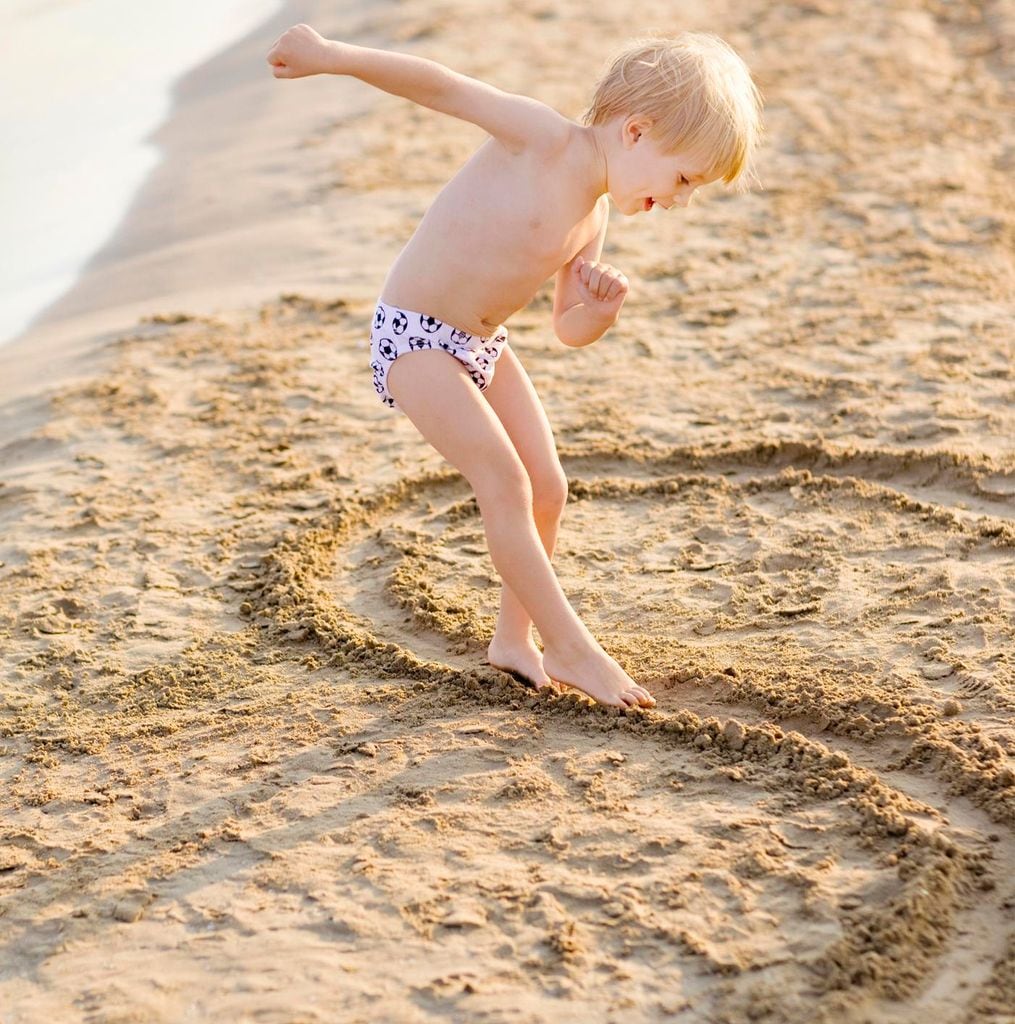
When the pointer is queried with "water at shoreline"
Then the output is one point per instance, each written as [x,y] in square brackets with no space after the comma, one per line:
[85,84]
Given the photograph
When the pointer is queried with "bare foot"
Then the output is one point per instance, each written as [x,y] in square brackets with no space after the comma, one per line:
[523,661]
[598,675]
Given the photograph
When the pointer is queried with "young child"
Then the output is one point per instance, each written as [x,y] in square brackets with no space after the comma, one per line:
[668,116]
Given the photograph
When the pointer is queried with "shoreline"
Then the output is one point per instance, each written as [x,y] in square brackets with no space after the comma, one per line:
[79,134]
[211,210]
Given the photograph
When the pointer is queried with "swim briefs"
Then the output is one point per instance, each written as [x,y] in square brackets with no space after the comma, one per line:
[396,331]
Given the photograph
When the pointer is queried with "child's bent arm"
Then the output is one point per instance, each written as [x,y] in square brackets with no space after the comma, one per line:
[516,121]
[587,295]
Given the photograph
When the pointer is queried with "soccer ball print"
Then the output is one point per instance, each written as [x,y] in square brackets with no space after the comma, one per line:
[476,353]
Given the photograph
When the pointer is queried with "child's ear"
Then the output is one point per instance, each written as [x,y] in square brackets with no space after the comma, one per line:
[635,126]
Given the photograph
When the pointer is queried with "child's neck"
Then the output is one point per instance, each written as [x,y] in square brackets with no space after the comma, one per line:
[594,176]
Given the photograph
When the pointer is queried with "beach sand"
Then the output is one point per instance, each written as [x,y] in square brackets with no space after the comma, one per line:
[254,766]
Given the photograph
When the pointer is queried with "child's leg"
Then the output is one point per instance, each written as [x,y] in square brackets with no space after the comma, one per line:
[434,390]
[513,398]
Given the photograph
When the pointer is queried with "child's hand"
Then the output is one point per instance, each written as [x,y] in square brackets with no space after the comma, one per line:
[300,51]
[602,287]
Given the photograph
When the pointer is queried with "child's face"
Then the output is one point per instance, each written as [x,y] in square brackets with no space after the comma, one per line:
[645,176]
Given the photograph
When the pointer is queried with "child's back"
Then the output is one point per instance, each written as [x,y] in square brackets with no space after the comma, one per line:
[533,201]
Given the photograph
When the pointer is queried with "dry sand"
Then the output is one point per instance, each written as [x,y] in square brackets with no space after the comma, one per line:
[254,767]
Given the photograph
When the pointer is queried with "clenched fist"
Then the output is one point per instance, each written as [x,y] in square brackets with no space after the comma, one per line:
[300,51]
[601,286]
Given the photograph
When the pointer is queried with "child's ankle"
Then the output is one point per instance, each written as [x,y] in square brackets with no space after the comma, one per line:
[573,649]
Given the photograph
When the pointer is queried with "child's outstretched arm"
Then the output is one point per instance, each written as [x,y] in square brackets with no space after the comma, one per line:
[516,121]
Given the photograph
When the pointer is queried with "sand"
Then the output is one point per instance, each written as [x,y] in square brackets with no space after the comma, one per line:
[254,766]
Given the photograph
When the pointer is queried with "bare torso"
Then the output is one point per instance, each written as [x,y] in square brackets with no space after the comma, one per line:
[504,224]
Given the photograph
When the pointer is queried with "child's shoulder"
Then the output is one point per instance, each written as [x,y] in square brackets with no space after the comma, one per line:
[520,123]
[554,133]
[542,131]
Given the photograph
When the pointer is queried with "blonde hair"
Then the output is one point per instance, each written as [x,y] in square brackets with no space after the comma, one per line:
[696,91]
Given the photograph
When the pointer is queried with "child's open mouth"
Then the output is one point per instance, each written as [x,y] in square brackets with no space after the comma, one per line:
[649,203]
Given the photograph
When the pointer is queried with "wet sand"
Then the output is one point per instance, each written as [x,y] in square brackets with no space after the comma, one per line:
[254,766]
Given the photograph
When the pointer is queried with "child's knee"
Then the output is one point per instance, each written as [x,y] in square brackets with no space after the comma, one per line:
[502,485]
[549,493]
[499,482]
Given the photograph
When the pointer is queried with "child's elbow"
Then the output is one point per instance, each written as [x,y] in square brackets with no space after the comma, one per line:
[572,340]
[563,337]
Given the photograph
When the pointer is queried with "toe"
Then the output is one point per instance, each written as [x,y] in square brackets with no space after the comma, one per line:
[637,695]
